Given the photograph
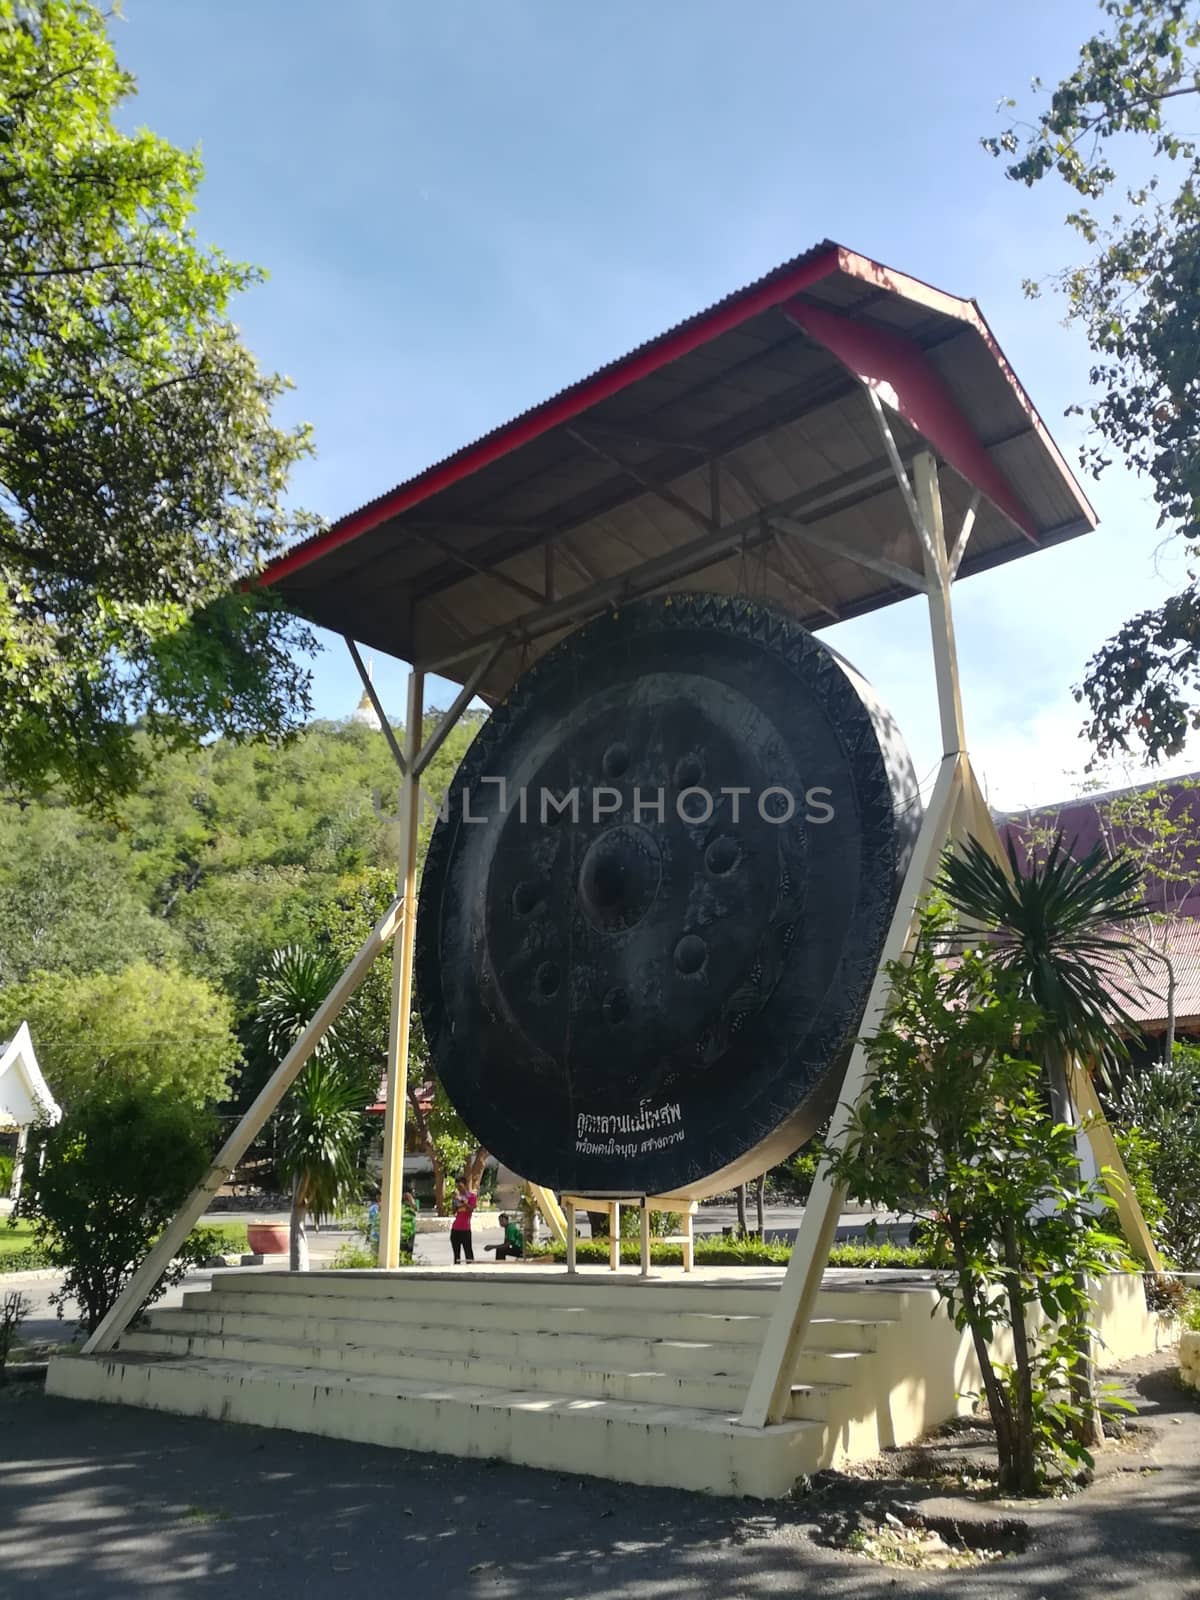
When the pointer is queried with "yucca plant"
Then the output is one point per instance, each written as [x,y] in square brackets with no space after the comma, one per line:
[1054,927]
[321,1120]
[1054,931]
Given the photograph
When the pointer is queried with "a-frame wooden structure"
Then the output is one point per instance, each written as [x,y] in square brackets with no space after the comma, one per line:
[835,437]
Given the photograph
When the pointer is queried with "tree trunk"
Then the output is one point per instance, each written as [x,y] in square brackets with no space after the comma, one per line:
[1024,1454]
[997,1400]
[298,1242]
[758,1201]
[1088,1427]
[1169,1038]
[431,1150]
[740,1191]
[476,1168]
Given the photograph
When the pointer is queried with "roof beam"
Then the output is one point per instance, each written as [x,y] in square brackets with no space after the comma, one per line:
[510,540]
[493,571]
[675,501]
[713,545]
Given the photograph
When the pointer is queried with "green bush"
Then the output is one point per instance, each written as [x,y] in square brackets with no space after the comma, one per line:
[721,1252]
[1139,1152]
[1160,1105]
[111,1175]
[218,1239]
[355,1258]
[6,1172]
[661,1223]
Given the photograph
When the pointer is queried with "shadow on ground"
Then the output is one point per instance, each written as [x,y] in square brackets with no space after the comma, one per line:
[99,1501]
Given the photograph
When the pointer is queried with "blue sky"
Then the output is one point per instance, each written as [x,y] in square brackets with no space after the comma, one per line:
[463,207]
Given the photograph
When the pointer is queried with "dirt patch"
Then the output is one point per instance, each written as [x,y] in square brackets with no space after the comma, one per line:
[910,1538]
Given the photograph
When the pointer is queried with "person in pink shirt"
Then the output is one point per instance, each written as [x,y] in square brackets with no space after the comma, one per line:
[463,1206]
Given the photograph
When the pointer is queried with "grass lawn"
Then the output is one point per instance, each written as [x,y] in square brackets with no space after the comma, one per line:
[13,1240]
[16,1240]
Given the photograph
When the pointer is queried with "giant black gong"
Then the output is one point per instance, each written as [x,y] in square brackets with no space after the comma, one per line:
[656,895]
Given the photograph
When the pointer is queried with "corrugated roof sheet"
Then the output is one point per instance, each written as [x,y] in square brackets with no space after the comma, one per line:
[614,471]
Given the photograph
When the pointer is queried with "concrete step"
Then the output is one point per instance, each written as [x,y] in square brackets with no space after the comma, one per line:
[416,1311]
[651,1383]
[547,1290]
[541,1287]
[830,1366]
[686,1357]
[631,1442]
[407,1318]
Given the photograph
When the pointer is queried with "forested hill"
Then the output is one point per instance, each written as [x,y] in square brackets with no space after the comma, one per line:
[224,855]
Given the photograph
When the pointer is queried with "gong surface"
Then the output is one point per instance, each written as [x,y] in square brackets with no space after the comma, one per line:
[656,895]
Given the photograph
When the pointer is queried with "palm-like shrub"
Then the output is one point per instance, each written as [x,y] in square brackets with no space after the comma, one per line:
[1054,930]
[1056,943]
[321,1119]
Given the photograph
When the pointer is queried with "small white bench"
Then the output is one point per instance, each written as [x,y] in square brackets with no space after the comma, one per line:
[611,1205]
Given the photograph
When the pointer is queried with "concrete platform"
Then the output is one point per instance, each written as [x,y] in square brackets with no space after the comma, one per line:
[609,1374]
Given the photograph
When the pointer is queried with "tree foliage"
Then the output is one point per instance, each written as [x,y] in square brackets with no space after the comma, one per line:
[954,1130]
[153,1030]
[321,1120]
[101,1186]
[141,475]
[1161,1105]
[1114,126]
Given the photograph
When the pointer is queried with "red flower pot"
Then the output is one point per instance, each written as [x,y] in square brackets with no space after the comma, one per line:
[268,1238]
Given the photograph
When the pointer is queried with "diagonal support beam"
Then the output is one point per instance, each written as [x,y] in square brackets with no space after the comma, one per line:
[393,743]
[132,1297]
[455,710]
[964,534]
[770,1388]
[895,570]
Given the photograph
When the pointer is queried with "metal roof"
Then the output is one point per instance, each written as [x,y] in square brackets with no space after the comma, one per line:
[734,453]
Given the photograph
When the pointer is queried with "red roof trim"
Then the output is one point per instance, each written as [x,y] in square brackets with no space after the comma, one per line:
[648,358]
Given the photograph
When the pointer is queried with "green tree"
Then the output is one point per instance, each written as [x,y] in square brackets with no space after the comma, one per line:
[69,904]
[1054,931]
[102,1186]
[141,475]
[953,1130]
[145,1028]
[1118,125]
[321,1120]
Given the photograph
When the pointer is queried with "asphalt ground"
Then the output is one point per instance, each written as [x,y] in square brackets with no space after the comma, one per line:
[100,1502]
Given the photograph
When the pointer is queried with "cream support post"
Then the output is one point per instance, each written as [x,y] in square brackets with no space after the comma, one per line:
[400,1015]
[129,1302]
[956,808]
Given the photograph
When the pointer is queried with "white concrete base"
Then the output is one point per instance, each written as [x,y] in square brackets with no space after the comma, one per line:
[605,1374]
[1189,1358]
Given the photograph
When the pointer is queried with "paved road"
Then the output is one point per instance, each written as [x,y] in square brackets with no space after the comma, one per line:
[433,1249]
[108,1503]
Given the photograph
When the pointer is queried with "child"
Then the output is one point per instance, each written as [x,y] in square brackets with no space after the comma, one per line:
[460,1229]
[513,1246]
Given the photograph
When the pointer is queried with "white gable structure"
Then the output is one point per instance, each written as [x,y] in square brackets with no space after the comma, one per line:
[24,1097]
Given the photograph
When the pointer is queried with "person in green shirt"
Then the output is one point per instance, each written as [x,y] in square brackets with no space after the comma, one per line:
[513,1246]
